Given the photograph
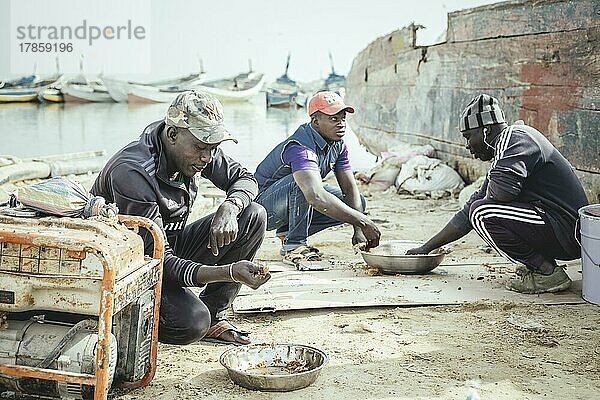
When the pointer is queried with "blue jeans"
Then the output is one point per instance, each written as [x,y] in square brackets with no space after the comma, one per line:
[290,214]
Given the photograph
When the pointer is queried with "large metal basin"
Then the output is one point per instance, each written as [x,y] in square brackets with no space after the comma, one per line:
[390,258]
[274,367]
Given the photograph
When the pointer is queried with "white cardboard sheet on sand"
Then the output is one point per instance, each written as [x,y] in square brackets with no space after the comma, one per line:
[448,284]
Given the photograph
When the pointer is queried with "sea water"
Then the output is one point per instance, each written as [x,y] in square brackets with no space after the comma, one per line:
[40,129]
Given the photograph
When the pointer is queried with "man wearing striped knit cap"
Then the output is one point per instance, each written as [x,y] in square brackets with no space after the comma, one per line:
[526,208]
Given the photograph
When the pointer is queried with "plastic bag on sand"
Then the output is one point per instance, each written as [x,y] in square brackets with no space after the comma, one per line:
[424,175]
[64,197]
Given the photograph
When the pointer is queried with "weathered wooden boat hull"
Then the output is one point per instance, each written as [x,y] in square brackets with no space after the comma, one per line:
[540,58]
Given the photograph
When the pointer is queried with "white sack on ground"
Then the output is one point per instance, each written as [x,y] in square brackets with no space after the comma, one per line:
[424,175]
[384,174]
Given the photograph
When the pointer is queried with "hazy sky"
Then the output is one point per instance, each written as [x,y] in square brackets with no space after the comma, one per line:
[226,33]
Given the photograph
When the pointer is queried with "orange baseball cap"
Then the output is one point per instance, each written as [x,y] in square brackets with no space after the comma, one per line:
[329,103]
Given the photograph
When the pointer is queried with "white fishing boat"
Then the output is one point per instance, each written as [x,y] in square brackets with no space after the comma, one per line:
[80,89]
[90,91]
[119,89]
[150,94]
[242,87]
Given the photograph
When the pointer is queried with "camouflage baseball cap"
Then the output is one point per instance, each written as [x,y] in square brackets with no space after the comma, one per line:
[201,114]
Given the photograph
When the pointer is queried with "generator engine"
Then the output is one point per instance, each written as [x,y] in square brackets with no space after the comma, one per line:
[78,306]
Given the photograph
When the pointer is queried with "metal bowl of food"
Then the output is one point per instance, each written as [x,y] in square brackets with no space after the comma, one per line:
[390,258]
[274,367]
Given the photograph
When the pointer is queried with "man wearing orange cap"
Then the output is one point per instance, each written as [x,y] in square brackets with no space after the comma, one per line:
[290,183]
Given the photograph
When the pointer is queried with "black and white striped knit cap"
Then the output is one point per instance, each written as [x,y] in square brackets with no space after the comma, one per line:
[482,110]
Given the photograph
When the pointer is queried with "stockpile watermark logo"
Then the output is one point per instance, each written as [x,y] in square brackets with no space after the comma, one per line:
[110,36]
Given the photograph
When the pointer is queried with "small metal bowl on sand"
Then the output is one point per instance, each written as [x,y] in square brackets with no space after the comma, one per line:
[274,367]
[390,258]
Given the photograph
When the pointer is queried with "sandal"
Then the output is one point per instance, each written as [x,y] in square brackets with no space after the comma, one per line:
[301,253]
[214,333]
[313,249]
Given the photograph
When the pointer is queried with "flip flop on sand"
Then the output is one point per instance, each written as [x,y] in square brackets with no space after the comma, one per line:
[313,249]
[224,332]
[302,253]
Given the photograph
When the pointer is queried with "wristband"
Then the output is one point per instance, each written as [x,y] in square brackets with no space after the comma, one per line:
[236,202]
[231,273]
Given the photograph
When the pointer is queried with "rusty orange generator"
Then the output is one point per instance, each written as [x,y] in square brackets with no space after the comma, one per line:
[79,305]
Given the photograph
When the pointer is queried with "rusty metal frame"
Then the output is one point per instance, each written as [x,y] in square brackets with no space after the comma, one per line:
[159,250]
[100,379]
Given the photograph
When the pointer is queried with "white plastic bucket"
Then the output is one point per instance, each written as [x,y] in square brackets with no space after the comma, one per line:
[590,252]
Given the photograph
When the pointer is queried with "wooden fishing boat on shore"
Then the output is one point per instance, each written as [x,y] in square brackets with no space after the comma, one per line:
[27,80]
[285,98]
[52,95]
[92,91]
[334,82]
[24,89]
[150,94]
[543,66]
[187,80]
[242,87]
[119,89]
[285,92]
[18,95]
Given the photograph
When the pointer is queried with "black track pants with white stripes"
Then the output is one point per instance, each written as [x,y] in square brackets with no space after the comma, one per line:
[185,317]
[518,232]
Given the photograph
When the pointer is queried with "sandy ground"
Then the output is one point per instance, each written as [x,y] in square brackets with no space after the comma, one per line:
[444,352]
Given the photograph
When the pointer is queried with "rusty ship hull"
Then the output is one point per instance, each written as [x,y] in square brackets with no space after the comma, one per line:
[541,59]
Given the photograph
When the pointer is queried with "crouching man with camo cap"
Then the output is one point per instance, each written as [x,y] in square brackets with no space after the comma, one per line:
[153,177]
[526,208]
